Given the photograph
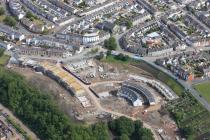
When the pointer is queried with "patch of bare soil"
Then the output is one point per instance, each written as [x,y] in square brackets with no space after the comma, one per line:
[66,102]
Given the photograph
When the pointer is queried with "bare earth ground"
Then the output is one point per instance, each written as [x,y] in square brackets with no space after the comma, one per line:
[152,117]
[120,72]
[71,106]
[66,102]
[128,69]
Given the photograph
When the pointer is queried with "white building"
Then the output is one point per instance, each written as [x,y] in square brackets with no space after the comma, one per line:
[5,45]
[16,9]
[164,51]
[90,37]
[137,103]
[10,33]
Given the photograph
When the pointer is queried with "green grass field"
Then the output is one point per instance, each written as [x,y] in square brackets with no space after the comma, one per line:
[2,18]
[4,59]
[112,59]
[204,89]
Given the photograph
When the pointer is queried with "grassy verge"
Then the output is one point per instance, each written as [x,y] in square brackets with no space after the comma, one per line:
[2,18]
[165,78]
[4,60]
[113,59]
[204,90]
[38,22]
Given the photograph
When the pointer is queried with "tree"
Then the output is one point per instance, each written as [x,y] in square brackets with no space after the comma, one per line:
[125,128]
[100,56]
[187,131]
[110,44]
[144,46]
[129,24]
[124,137]
[122,125]
[122,57]
[10,21]
[138,124]
[2,11]
[94,51]
[100,131]
[82,5]
[31,16]
[178,116]
[108,53]
[1,52]
[142,134]
[66,1]
[39,112]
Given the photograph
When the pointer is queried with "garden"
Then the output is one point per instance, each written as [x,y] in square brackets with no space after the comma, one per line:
[191,117]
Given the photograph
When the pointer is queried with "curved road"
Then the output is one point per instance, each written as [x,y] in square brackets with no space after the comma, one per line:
[187,86]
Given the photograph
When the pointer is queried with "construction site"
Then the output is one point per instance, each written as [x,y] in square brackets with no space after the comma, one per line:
[92,90]
[128,91]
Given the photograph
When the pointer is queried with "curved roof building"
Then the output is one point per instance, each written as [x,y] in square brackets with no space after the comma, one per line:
[134,91]
[131,95]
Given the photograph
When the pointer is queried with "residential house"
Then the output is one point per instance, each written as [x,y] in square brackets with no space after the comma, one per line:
[107,26]
[16,8]
[11,33]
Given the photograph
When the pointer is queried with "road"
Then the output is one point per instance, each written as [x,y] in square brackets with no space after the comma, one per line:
[150,60]
[200,22]
[186,85]
[85,54]
[25,128]
[153,58]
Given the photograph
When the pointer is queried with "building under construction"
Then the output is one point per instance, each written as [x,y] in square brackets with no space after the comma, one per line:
[62,77]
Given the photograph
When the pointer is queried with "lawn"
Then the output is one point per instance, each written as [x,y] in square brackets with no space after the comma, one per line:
[204,89]
[112,59]
[174,85]
[4,59]
[2,18]
[38,22]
